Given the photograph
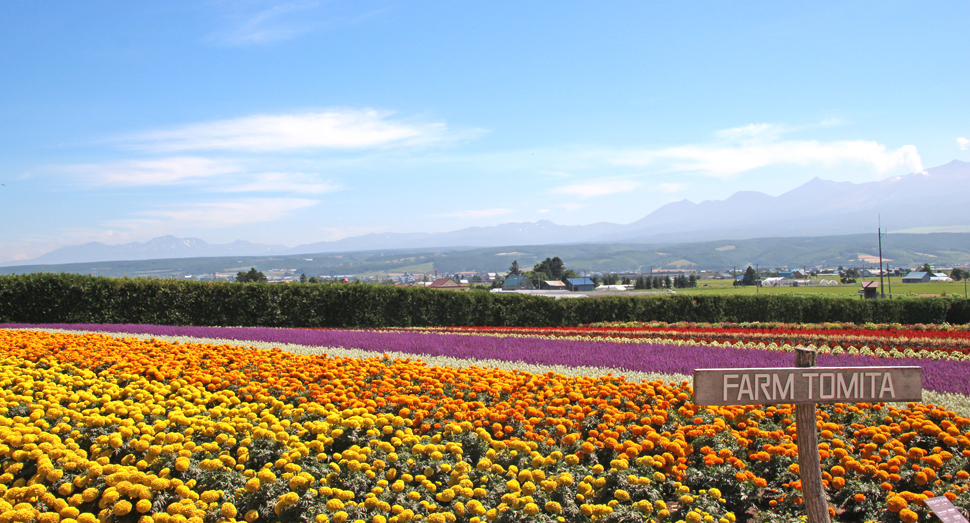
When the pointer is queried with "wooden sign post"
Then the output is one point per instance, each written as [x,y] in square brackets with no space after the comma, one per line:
[805,386]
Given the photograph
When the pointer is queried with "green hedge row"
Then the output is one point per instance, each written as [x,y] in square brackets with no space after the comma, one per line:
[68,298]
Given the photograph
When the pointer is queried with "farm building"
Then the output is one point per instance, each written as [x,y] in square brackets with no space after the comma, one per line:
[917,277]
[941,277]
[870,289]
[553,285]
[518,282]
[579,284]
[447,284]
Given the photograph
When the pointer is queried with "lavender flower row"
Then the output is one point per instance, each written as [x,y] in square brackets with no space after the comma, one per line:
[938,375]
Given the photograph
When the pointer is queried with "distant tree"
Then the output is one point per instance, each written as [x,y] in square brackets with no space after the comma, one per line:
[750,276]
[667,282]
[250,277]
[303,278]
[514,268]
[554,267]
[958,274]
[640,283]
[568,273]
[626,280]
[692,281]
[927,268]
[314,279]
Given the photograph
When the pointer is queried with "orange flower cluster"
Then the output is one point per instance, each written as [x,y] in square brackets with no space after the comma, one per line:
[94,427]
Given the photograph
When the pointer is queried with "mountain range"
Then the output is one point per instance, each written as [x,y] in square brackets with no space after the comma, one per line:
[935,199]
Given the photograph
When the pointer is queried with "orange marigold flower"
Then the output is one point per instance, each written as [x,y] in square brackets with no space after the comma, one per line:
[896,503]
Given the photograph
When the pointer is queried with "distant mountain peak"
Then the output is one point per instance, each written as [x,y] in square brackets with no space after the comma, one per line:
[934,198]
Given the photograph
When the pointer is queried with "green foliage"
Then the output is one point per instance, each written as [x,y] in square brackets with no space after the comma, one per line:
[253,276]
[68,298]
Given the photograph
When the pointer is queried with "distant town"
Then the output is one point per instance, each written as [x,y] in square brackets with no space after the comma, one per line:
[552,277]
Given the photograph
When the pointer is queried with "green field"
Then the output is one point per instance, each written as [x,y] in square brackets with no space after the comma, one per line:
[898,289]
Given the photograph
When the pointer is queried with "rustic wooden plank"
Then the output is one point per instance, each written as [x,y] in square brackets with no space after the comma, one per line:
[809,468]
[807,385]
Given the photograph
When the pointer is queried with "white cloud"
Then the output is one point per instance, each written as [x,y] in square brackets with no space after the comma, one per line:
[163,171]
[542,211]
[476,214]
[211,215]
[963,143]
[603,188]
[330,129]
[759,145]
[284,182]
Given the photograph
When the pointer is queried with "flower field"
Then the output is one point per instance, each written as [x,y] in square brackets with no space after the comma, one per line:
[99,427]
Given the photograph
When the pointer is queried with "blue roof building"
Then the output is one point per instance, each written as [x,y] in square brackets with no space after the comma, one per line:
[917,277]
[579,284]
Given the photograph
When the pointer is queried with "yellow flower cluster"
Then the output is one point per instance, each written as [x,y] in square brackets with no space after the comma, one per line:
[97,429]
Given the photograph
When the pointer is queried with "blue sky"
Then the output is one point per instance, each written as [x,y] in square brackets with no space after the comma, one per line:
[298,122]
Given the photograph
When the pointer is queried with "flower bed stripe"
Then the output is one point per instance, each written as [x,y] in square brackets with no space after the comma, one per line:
[938,375]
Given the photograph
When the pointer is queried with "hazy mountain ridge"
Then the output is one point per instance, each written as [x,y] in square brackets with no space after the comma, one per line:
[899,250]
[163,247]
[819,207]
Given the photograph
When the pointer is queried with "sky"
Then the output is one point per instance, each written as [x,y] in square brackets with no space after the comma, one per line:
[298,122]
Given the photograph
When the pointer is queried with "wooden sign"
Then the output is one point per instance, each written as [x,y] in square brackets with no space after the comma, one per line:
[802,385]
[945,510]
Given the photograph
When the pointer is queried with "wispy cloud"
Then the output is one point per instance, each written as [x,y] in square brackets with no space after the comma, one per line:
[163,171]
[963,143]
[602,188]
[754,146]
[211,215]
[283,182]
[266,24]
[476,214]
[330,129]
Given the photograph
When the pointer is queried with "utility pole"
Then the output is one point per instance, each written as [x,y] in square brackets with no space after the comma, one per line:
[881,288]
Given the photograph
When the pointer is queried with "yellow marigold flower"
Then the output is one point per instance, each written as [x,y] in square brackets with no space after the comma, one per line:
[121,508]
[228,510]
[266,476]
[143,506]
[714,493]
[622,495]
[182,464]
[160,484]
[340,517]
[335,505]
[90,494]
[252,485]
[553,507]
[251,516]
